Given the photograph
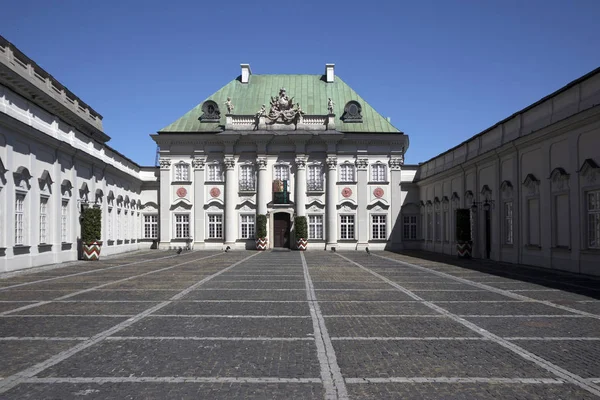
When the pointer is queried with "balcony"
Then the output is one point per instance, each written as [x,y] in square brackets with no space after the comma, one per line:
[280,192]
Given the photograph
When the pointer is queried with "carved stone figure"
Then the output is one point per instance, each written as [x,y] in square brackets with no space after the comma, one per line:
[330,105]
[282,108]
[229,105]
[165,163]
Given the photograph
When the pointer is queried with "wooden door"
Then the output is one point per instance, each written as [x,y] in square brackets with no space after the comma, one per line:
[281,230]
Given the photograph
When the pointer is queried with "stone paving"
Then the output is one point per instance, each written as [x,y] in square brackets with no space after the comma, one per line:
[291,325]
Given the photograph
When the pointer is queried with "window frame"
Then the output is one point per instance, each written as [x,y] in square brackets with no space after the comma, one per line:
[508,224]
[44,232]
[250,226]
[181,172]
[216,224]
[281,167]
[373,224]
[64,220]
[410,225]
[347,224]
[595,214]
[317,182]
[184,224]
[20,232]
[247,184]
[314,225]
[375,176]
[217,174]
[343,177]
[150,226]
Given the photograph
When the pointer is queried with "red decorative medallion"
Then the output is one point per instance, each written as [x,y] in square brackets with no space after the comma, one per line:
[378,192]
[346,192]
[215,192]
[181,192]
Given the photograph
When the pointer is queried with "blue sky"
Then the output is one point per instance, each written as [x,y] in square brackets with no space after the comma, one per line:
[441,70]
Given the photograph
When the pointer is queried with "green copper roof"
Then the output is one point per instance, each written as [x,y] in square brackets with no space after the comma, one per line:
[311,91]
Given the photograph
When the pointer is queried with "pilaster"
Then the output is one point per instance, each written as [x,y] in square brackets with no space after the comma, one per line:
[394,224]
[300,185]
[263,187]
[198,209]
[230,201]
[164,204]
[362,197]
[331,201]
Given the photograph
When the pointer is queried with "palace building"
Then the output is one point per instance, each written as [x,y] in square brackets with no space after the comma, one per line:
[295,145]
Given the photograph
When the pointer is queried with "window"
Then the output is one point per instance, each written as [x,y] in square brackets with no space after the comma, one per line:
[438,227]
[429,226]
[593,219]
[346,173]
[43,220]
[110,224]
[346,227]
[410,227]
[315,177]
[182,172]
[19,218]
[508,222]
[315,227]
[182,226]
[561,226]
[125,226]
[446,225]
[64,221]
[247,181]
[378,227]
[215,173]
[215,226]
[247,226]
[378,173]
[282,172]
[533,208]
[118,224]
[150,226]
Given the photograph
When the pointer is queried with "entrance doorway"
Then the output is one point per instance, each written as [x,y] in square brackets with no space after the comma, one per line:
[281,230]
[488,233]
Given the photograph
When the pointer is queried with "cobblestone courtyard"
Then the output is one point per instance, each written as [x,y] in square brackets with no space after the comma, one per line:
[291,325]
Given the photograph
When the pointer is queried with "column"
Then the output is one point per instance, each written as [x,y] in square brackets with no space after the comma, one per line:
[331,201]
[164,203]
[395,223]
[362,198]
[263,189]
[300,186]
[199,223]
[230,202]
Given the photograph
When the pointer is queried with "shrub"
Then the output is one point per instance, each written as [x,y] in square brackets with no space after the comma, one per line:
[463,225]
[301,228]
[261,226]
[91,224]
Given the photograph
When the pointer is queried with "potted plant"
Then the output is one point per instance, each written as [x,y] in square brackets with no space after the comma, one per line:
[464,245]
[301,233]
[91,226]
[261,232]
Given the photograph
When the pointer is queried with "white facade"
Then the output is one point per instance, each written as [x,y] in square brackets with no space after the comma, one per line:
[53,161]
[531,181]
[536,173]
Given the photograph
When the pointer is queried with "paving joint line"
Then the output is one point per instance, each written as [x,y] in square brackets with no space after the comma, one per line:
[545,364]
[13,380]
[172,379]
[93,288]
[490,288]
[533,381]
[333,382]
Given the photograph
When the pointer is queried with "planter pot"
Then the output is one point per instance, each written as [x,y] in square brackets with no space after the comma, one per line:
[91,250]
[261,244]
[301,244]
[464,249]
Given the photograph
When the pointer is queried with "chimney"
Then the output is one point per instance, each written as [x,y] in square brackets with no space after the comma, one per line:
[246,72]
[329,74]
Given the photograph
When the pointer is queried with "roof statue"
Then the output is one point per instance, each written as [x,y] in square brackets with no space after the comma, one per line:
[282,108]
[229,105]
[261,112]
[330,105]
